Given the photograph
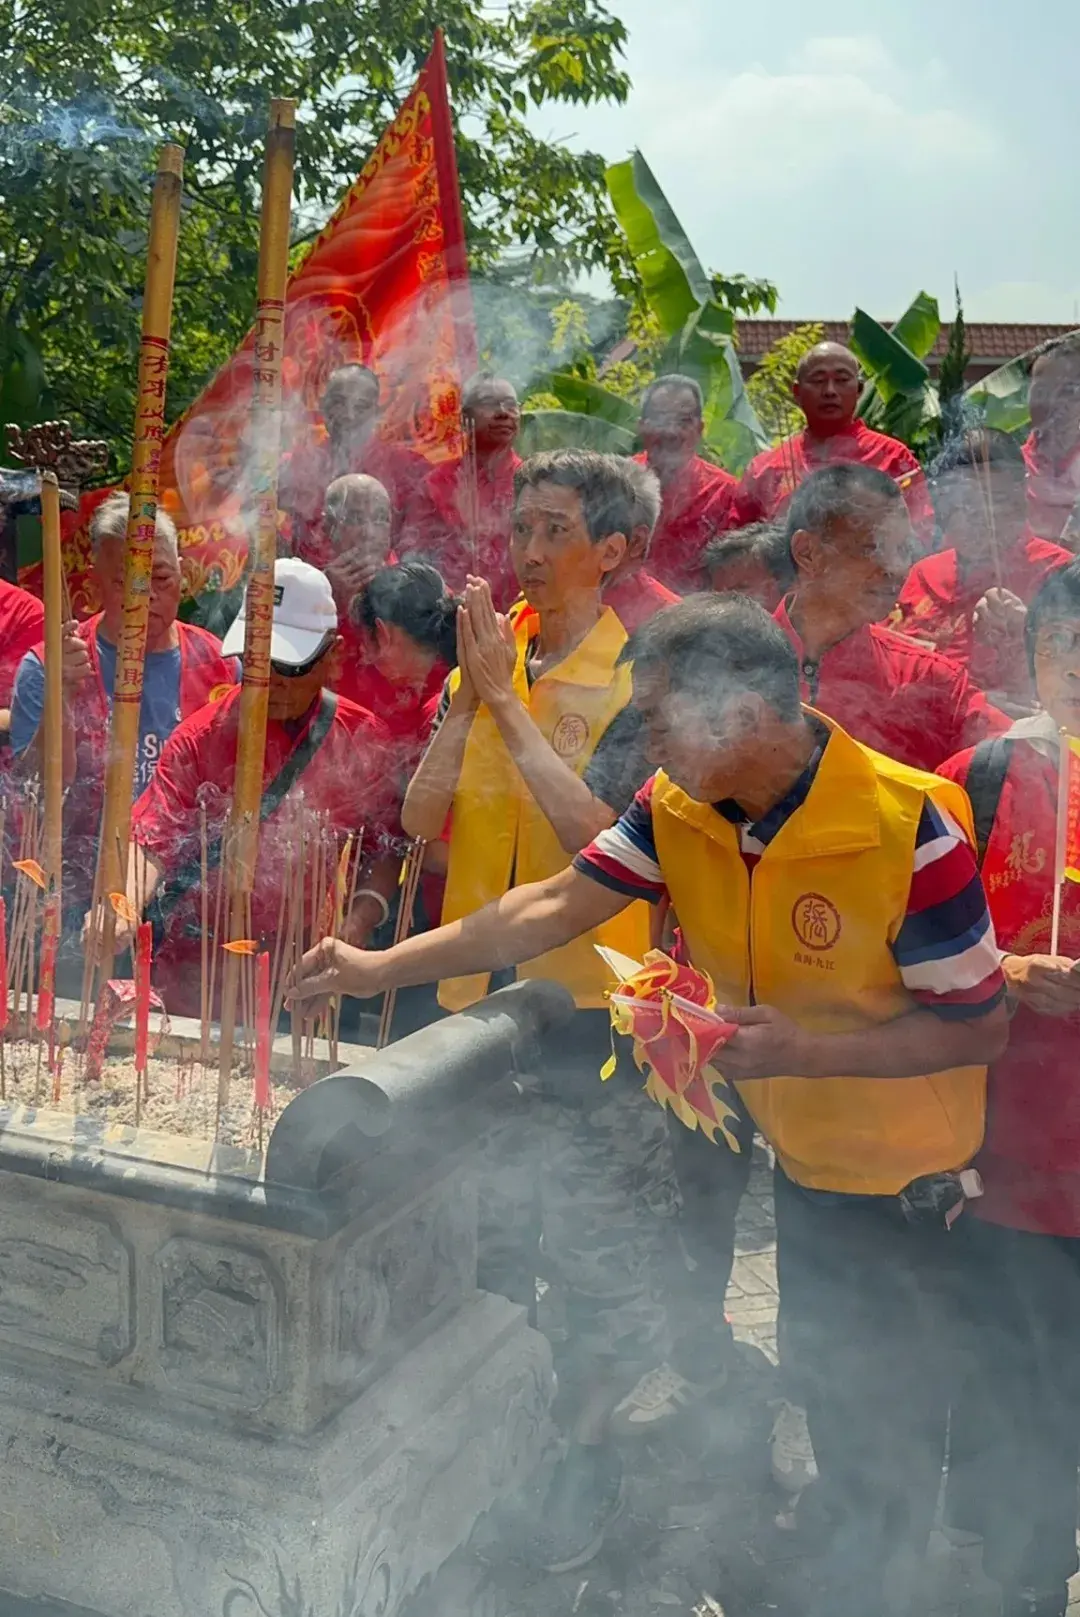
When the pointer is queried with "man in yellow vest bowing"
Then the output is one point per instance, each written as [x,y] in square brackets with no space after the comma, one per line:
[536,750]
[833,896]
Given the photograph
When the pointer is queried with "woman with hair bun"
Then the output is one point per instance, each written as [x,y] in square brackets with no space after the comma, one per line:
[400,644]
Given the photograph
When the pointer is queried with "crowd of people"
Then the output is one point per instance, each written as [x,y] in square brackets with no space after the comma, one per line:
[800,729]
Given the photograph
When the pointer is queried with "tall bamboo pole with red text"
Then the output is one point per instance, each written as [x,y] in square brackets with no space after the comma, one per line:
[52,731]
[139,553]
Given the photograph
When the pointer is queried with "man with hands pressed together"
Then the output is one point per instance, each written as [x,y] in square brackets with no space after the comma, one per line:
[356,536]
[833,897]
[535,752]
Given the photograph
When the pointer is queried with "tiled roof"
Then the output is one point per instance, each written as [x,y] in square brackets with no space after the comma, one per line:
[985,340]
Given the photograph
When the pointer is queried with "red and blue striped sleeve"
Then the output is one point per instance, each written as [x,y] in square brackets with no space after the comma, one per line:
[624,857]
[946,950]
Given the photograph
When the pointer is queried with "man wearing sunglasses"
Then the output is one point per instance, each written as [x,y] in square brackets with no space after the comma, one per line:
[325,775]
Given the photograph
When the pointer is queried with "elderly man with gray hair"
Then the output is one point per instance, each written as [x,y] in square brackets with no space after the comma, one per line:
[632,592]
[183,669]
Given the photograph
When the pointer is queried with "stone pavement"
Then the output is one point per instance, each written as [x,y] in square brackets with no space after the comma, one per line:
[700,1534]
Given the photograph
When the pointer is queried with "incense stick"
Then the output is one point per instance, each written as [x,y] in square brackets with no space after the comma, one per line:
[311,1027]
[204,942]
[279,943]
[410,881]
[296,1024]
[222,884]
[991,526]
[341,871]
[472,494]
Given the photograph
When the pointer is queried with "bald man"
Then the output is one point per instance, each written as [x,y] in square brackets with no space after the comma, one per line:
[1052,453]
[356,523]
[461,520]
[826,390]
[349,440]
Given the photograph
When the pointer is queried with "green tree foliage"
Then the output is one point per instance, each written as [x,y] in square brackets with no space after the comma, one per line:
[769,388]
[89,88]
[951,372]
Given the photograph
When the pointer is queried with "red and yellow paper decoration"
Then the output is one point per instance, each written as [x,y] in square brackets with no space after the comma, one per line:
[669,1012]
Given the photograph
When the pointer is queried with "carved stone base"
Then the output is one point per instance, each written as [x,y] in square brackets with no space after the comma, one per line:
[133,1511]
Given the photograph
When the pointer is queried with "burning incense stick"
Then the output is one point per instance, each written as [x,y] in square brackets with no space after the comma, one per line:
[3,997]
[410,882]
[141,532]
[472,494]
[144,943]
[295,1022]
[262,1031]
[204,942]
[259,612]
[988,508]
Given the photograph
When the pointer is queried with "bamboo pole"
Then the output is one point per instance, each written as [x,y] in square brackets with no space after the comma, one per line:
[53,735]
[139,552]
[259,612]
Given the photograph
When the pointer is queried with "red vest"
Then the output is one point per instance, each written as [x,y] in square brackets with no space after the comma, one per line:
[1030,1161]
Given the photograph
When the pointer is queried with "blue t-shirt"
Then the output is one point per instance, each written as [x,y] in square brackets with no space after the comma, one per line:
[160,703]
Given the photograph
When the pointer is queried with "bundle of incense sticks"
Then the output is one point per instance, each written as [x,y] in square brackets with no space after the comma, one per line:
[22,936]
[3,991]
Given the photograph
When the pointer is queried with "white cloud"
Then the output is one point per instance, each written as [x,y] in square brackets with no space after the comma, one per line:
[839,106]
[862,54]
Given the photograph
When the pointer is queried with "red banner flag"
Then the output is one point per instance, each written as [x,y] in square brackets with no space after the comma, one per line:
[385,284]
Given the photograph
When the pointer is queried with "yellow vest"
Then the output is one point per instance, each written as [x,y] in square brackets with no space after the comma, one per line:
[499,836]
[810,935]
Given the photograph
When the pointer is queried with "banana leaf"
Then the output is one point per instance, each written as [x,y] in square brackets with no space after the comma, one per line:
[679,292]
[889,364]
[590,398]
[674,281]
[570,429]
[703,349]
[1001,399]
[919,327]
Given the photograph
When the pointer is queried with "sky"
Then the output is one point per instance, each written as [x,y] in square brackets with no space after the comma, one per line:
[857,154]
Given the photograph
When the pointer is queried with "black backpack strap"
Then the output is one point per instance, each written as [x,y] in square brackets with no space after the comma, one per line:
[986,778]
[180,882]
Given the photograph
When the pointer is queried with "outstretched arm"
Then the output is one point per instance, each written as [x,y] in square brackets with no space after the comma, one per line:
[525,922]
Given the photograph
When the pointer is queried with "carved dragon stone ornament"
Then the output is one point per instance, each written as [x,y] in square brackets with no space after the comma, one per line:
[49,446]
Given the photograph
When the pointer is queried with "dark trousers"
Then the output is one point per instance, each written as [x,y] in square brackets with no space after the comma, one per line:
[1015,1438]
[711,1180]
[869,1328]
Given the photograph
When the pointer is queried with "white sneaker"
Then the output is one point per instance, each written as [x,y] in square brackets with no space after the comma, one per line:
[793,1465]
[657,1396]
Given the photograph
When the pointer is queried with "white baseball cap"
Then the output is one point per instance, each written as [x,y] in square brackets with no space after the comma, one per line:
[304,614]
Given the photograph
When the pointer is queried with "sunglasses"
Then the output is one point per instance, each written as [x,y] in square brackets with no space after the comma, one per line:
[298,670]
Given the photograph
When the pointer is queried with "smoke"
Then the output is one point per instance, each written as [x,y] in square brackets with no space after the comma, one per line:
[517,335]
[85,125]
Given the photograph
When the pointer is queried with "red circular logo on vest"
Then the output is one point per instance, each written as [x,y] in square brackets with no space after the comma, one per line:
[816,920]
[570,735]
